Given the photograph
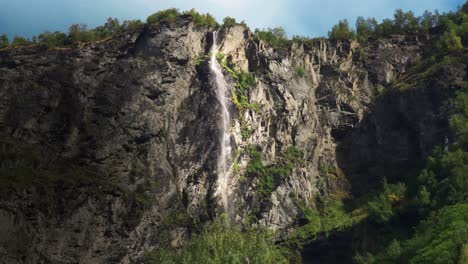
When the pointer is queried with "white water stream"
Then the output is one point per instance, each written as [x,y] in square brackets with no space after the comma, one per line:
[224,159]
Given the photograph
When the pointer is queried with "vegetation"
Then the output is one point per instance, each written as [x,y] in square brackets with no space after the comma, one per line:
[276,37]
[173,14]
[230,22]
[270,176]
[341,31]
[80,33]
[300,71]
[4,41]
[169,15]
[221,243]
[244,82]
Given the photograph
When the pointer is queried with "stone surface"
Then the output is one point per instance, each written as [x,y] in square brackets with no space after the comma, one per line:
[138,114]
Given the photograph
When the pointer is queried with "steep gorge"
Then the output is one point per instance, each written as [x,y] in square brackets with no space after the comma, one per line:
[112,149]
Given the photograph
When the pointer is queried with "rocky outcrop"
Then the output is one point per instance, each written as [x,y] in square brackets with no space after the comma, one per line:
[116,142]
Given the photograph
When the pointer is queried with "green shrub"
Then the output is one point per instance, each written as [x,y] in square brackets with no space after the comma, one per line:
[229,22]
[383,206]
[341,31]
[270,176]
[20,41]
[276,37]
[300,71]
[202,19]
[365,28]
[222,243]
[4,41]
[450,41]
[169,15]
[132,24]
[55,39]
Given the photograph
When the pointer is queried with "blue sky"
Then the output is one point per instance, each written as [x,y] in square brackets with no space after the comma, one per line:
[299,17]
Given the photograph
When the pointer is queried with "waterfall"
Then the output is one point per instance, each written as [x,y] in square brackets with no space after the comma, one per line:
[224,158]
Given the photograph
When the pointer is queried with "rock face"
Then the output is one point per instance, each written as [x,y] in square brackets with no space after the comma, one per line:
[109,149]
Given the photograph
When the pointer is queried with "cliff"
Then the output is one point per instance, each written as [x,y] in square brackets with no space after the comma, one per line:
[109,149]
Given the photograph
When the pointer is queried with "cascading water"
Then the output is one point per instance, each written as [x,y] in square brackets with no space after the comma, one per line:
[224,159]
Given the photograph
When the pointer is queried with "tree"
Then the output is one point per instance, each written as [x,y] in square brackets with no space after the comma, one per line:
[229,22]
[405,22]
[365,28]
[132,24]
[341,31]
[450,41]
[110,28]
[385,28]
[428,21]
[80,33]
[19,41]
[169,15]
[4,41]
[55,39]
[274,36]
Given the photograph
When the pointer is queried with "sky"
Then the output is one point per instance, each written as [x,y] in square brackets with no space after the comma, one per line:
[311,18]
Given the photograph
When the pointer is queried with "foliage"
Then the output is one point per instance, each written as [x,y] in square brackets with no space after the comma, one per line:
[276,37]
[405,22]
[202,19]
[341,31]
[382,206]
[450,41]
[331,215]
[80,33]
[244,82]
[20,41]
[230,22]
[300,71]
[132,25]
[53,39]
[169,15]
[441,238]
[460,120]
[270,176]
[365,28]
[221,243]
[4,41]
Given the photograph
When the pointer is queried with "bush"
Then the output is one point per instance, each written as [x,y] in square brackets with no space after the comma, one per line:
[4,41]
[229,22]
[79,33]
[276,37]
[222,243]
[341,31]
[55,39]
[300,71]
[384,205]
[450,41]
[169,15]
[132,24]
[20,41]
[365,28]
[202,19]
[440,238]
[270,176]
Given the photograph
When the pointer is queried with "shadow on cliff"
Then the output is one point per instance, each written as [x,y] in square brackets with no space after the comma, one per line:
[398,133]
